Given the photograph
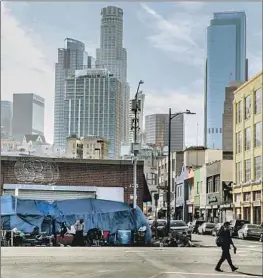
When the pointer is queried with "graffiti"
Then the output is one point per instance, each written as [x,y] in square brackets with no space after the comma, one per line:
[27,170]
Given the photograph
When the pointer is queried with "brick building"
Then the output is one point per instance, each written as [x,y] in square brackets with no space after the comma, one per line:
[57,178]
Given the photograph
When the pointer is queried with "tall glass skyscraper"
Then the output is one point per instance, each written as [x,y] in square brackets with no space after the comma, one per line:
[92,102]
[70,58]
[226,62]
[113,56]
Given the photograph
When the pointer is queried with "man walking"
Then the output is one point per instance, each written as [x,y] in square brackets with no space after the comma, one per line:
[226,241]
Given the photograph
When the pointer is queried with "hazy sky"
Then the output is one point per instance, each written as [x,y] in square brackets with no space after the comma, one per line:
[166,45]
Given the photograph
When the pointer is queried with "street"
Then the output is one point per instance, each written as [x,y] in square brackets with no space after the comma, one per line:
[124,262]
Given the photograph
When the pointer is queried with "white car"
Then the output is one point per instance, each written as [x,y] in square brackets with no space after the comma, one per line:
[206,228]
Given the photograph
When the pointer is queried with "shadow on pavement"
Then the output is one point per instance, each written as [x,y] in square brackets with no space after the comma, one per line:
[249,274]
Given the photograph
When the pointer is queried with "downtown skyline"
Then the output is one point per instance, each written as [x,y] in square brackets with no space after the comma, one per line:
[161,88]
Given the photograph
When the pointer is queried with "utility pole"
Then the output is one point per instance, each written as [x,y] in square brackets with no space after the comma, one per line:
[135,147]
[171,116]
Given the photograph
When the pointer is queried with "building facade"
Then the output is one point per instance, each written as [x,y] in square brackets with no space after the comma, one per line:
[92,107]
[70,58]
[112,56]
[227,130]
[6,117]
[226,62]
[157,127]
[28,115]
[247,138]
[90,147]
[219,191]
[57,179]
[189,196]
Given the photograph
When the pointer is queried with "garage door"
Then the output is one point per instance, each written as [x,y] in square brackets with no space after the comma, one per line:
[9,192]
[51,195]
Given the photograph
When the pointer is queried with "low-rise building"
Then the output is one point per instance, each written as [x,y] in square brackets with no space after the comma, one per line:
[219,191]
[51,179]
[90,147]
[8,143]
[247,139]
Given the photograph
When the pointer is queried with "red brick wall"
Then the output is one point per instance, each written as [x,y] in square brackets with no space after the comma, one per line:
[88,174]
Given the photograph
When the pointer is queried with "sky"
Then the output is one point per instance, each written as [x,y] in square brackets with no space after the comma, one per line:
[165,42]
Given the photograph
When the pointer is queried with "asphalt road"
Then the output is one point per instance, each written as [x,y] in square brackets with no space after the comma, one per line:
[122,262]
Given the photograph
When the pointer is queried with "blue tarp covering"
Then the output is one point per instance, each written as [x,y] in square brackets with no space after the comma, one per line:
[106,215]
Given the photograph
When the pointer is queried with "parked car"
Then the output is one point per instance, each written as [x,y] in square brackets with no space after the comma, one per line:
[206,228]
[180,227]
[195,225]
[216,229]
[235,225]
[249,231]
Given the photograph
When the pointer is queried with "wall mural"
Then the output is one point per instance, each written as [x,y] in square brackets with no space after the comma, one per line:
[28,170]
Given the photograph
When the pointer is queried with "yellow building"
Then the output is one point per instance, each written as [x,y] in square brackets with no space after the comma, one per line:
[247,141]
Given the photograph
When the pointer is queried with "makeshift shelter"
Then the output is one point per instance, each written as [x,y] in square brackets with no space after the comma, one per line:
[105,215]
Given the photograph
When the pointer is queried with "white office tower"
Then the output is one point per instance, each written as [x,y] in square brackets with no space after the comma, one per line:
[70,58]
[141,98]
[95,109]
[113,56]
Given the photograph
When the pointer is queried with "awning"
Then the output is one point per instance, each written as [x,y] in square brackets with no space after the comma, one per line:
[147,197]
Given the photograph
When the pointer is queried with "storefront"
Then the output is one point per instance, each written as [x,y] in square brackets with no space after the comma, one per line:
[256,212]
[213,212]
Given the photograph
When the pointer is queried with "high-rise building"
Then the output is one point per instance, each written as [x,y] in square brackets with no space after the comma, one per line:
[28,115]
[156,128]
[70,58]
[141,98]
[113,56]
[6,116]
[95,109]
[226,62]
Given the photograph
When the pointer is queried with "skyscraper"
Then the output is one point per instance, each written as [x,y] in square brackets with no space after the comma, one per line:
[28,115]
[6,116]
[226,62]
[95,109]
[156,128]
[72,57]
[113,56]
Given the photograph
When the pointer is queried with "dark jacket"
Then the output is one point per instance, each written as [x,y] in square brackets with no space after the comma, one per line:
[225,238]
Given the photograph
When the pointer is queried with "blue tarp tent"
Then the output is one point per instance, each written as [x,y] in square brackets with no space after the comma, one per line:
[106,215]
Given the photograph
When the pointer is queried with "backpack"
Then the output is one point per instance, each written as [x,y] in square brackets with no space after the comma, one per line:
[219,241]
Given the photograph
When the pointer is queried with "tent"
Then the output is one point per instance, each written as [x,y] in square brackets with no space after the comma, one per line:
[106,215]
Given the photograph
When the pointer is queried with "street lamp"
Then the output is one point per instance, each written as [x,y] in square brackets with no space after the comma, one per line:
[135,147]
[172,116]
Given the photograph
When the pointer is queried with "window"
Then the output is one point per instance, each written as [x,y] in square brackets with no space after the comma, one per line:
[239,142]
[217,183]
[247,170]
[210,185]
[212,130]
[197,187]
[239,112]
[247,107]
[258,101]
[247,197]
[247,138]
[256,195]
[237,197]
[257,168]
[238,172]
[257,134]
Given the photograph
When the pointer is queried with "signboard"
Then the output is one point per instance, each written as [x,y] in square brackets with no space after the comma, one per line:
[212,199]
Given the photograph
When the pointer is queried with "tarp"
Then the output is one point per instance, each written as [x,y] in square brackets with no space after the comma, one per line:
[105,215]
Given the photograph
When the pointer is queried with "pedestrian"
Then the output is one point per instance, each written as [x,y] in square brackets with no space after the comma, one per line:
[225,241]
[79,235]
